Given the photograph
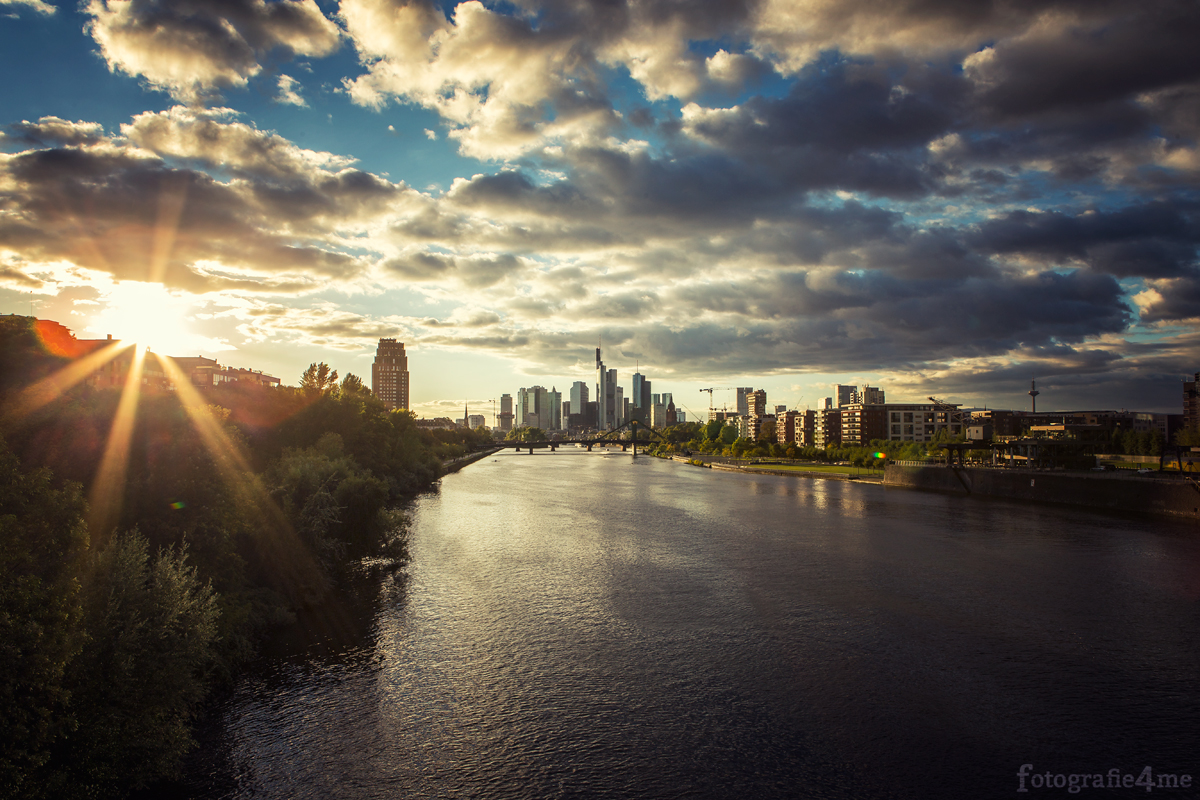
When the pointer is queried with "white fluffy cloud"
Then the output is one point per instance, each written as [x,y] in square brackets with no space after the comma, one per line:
[191,48]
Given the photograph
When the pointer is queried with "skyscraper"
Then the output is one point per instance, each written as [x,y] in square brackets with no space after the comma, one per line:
[579,402]
[641,391]
[506,412]
[554,400]
[389,374]
[845,395]
[606,396]
[743,400]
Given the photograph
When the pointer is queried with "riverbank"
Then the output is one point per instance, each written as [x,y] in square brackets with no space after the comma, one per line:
[824,473]
[455,464]
[1110,491]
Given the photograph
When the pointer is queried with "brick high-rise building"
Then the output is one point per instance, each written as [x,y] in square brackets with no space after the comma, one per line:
[389,374]
[1191,402]
[757,402]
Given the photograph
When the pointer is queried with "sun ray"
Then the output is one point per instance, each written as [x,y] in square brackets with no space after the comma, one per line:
[52,387]
[108,488]
[170,209]
[293,561]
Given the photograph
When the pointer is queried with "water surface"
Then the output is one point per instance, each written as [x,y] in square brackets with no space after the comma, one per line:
[576,625]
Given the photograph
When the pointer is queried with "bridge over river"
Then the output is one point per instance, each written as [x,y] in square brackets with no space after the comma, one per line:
[606,439]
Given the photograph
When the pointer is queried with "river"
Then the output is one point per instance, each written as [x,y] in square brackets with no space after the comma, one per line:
[581,625]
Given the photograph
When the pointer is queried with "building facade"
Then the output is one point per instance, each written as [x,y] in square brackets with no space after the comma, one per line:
[579,404]
[918,422]
[554,401]
[389,374]
[862,423]
[743,400]
[827,425]
[871,396]
[1191,402]
[785,425]
[757,402]
[505,422]
[606,396]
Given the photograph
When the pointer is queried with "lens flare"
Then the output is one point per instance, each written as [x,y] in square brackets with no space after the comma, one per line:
[108,489]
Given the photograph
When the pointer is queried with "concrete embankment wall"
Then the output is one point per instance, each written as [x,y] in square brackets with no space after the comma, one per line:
[1097,490]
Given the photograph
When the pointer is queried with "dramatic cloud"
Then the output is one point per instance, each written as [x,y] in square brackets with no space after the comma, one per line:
[955,192]
[191,48]
[105,204]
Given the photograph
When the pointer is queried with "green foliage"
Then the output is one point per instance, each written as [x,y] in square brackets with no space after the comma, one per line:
[1141,443]
[318,379]
[1188,437]
[98,684]
[352,384]
[42,538]
[149,629]
[526,435]
[331,502]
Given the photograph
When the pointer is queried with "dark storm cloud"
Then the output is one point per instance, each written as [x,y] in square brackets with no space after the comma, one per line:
[916,320]
[1178,298]
[843,125]
[1141,48]
[1152,240]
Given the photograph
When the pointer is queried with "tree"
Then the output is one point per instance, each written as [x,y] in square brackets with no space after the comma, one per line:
[1189,437]
[42,538]
[150,626]
[353,385]
[318,379]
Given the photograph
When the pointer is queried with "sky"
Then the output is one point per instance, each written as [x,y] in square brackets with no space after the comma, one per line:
[938,197]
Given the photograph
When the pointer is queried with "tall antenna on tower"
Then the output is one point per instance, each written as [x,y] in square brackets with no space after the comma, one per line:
[1033,393]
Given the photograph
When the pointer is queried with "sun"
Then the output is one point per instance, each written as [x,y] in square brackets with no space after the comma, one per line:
[148,315]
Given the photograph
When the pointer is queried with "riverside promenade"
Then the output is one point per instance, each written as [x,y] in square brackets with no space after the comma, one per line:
[1177,496]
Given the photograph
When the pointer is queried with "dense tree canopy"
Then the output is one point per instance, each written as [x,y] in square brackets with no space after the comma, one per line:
[230,510]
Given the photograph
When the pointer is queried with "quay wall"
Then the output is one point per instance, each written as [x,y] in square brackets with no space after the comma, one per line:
[1139,494]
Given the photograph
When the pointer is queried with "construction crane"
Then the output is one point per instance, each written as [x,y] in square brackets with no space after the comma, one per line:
[710,397]
[953,414]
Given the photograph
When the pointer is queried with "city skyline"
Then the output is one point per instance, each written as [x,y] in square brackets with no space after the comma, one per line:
[728,195]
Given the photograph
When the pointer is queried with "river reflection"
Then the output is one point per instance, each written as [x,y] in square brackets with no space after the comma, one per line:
[576,626]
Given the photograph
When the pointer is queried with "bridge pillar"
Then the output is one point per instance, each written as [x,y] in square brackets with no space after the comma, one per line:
[553,448]
[589,447]
[531,451]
